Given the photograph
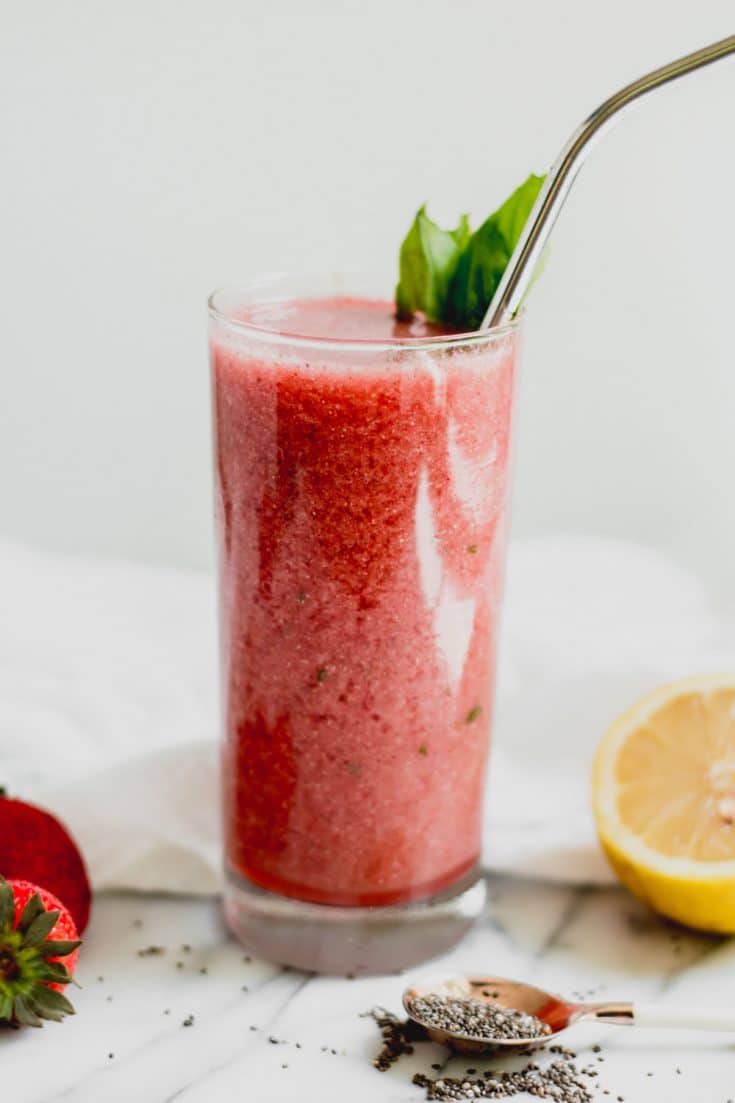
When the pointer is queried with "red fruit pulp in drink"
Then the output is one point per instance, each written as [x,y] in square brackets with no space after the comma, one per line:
[360,497]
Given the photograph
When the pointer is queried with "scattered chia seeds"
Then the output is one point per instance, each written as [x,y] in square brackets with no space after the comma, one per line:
[188,1021]
[559,1080]
[477,1019]
[152,951]
[398,1037]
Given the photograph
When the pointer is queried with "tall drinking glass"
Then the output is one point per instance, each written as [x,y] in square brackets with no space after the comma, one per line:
[361,471]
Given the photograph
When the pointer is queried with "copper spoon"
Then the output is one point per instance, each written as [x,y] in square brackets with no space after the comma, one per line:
[556,1012]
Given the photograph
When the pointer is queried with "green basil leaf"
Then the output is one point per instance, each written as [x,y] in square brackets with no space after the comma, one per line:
[485,257]
[427,262]
[450,276]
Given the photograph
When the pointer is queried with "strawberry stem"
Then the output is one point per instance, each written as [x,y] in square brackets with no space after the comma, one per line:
[28,962]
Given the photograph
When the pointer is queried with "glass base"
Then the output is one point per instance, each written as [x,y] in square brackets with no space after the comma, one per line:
[319,938]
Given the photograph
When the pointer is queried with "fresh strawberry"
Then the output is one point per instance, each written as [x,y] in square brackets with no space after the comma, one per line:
[36,931]
[36,847]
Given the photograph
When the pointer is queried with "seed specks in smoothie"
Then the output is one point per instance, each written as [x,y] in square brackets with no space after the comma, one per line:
[424,750]
[473,714]
[352,614]
[473,549]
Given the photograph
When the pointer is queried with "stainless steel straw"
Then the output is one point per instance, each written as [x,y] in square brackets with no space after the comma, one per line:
[517,276]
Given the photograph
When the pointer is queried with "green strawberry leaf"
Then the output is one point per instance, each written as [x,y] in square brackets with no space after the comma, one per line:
[7,904]
[30,912]
[49,1004]
[40,928]
[59,947]
[24,1013]
[6,1007]
[53,972]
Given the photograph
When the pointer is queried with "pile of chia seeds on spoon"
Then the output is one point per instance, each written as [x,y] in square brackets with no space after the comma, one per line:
[484,1022]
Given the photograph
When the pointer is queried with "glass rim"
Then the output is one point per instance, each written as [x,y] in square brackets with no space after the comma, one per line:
[266,334]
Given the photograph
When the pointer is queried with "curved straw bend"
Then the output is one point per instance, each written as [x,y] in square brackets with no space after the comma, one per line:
[551,198]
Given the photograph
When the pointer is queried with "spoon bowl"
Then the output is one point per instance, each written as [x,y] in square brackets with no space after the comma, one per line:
[553,1011]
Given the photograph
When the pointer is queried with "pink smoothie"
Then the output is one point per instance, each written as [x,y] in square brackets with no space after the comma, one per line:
[361,500]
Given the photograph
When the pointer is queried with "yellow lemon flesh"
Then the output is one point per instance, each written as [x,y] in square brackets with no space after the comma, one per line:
[663,795]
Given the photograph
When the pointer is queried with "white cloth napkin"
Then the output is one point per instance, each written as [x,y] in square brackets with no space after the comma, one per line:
[108,701]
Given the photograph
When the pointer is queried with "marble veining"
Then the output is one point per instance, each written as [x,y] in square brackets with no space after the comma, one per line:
[128,1041]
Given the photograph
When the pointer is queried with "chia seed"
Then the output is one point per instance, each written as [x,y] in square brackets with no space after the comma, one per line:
[477,1019]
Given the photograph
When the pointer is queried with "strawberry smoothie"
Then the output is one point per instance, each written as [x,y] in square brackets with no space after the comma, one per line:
[361,488]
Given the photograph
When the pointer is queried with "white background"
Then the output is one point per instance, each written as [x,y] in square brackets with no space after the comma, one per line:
[156,148]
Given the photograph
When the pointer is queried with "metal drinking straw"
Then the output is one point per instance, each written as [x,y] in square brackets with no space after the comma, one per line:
[551,198]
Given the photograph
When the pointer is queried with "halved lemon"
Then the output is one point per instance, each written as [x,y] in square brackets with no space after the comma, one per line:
[663,795]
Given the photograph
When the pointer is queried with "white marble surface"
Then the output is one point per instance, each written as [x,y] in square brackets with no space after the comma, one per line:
[127,1042]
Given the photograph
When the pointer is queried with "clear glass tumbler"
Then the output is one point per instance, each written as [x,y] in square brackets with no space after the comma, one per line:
[361,494]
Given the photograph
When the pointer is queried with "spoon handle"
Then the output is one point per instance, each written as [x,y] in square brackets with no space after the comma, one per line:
[660,1015]
[514,284]
[687,1018]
